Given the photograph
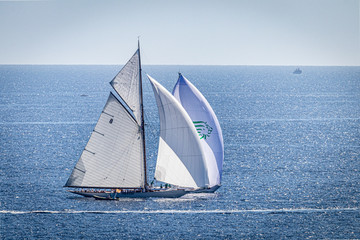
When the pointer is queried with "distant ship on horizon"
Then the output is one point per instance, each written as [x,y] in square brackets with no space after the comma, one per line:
[297,71]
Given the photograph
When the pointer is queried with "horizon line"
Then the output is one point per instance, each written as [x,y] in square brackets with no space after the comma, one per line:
[221,65]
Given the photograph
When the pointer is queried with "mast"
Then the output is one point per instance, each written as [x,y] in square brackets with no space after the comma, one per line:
[142,117]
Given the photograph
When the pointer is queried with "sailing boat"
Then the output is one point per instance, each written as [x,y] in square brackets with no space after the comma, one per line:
[114,158]
[207,127]
[297,71]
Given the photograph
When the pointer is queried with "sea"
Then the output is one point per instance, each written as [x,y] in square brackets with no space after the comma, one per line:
[291,168]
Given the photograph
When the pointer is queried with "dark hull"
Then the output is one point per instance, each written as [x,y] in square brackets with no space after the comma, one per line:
[166,193]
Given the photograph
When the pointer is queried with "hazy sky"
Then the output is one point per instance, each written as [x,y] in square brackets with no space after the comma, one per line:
[222,32]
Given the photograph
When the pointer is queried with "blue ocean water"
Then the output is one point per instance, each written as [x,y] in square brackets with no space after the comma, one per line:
[292,155]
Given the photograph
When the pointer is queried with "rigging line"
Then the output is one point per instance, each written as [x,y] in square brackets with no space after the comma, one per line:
[145,57]
[142,114]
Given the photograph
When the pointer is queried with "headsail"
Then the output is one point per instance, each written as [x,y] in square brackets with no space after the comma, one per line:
[206,123]
[113,157]
[180,159]
[127,84]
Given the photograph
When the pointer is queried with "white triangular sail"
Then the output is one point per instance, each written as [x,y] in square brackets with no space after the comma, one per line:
[206,123]
[127,84]
[113,157]
[181,160]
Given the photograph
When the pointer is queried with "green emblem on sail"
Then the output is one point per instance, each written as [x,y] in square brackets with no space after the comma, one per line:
[203,129]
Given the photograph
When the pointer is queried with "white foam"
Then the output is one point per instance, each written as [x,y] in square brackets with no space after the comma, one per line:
[163,211]
[47,123]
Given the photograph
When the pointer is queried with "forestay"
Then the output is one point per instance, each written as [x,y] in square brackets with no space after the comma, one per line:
[206,123]
[181,160]
[127,84]
[113,157]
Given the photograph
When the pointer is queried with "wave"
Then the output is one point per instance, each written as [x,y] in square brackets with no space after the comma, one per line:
[47,123]
[171,211]
[296,119]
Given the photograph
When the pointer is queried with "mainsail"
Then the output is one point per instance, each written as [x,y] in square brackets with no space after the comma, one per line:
[181,160]
[206,123]
[114,156]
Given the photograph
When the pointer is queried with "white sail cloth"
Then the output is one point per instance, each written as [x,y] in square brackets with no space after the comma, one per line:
[113,157]
[207,126]
[127,84]
[181,159]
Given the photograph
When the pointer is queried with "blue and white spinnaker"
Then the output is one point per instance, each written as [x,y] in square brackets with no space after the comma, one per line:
[206,124]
